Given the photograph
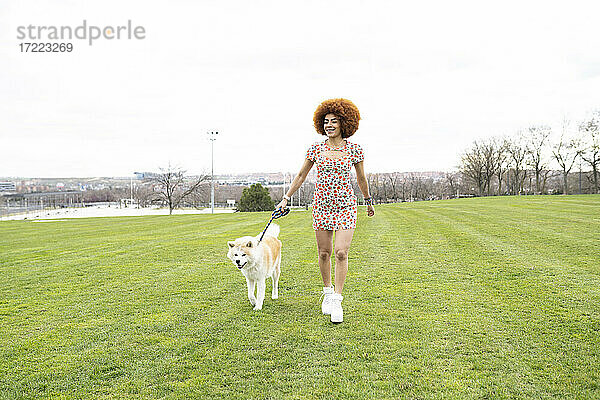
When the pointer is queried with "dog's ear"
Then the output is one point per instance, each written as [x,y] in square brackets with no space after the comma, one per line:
[231,244]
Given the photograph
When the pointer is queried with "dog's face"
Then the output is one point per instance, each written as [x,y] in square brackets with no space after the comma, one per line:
[240,251]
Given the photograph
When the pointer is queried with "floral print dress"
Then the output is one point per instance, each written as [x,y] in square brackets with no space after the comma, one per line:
[334,202]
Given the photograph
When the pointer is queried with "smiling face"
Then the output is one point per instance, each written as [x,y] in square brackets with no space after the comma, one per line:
[239,251]
[332,126]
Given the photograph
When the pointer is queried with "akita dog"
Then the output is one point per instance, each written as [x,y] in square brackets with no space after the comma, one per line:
[258,261]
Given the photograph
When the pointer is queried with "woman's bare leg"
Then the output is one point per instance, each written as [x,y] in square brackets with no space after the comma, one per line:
[343,238]
[324,247]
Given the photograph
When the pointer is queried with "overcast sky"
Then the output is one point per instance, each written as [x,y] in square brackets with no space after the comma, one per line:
[428,77]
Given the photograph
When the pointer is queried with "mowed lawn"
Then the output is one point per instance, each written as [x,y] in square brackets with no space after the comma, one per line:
[473,298]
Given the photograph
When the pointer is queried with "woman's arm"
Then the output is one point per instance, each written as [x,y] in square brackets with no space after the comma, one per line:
[363,185]
[298,181]
[362,180]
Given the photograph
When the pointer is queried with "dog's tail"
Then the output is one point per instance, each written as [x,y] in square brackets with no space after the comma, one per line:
[273,230]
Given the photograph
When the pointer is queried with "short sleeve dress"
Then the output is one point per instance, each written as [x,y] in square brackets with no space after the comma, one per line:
[334,202]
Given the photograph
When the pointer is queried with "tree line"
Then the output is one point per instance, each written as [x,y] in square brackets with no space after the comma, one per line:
[535,160]
[526,162]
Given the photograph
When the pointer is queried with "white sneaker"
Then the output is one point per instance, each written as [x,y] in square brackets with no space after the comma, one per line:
[337,314]
[326,305]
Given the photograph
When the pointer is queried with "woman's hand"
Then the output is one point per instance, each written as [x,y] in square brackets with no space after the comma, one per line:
[370,210]
[282,204]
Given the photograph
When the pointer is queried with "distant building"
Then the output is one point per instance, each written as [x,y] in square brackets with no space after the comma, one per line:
[145,175]
[8,187]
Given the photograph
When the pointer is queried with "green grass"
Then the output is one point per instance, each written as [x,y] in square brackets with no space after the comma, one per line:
[472,298]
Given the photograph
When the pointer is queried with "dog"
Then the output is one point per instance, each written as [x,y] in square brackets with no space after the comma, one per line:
[257,262]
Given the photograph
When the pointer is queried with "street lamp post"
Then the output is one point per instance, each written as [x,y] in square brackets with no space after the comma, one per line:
[212,136]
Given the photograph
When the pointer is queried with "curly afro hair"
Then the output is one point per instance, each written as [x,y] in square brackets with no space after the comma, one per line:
[346,112]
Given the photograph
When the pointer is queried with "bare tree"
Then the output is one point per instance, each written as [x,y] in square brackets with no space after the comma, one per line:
[590,130]
[493,152]
[415,186]
[383,183]
[517,152]
[536,150]
[489,151]
[200,197]
[501,160]
[394,181]
[405,186]
[373,186]
[172,187]
[419,188]
[143,195]
[452,183]
[566,152]
[473,166]
[306,191]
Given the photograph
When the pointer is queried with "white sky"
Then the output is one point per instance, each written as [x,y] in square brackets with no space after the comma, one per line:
[428,77]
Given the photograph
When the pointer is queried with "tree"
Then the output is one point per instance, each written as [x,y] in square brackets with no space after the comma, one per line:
[536,150]
[143,195]
[517,152]
[172,187]
[501,160]
[404,188]
[473,166]
[394,181]
[452,183]
[256,198]
[384,185]
[418,189]
[373,180]
[565,153]
[590,131]
[490,166]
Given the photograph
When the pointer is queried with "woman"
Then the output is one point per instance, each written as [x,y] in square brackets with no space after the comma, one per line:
[334,202]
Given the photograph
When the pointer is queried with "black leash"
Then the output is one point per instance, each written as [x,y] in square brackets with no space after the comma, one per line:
[278,213]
